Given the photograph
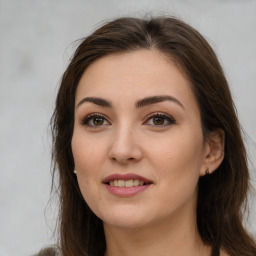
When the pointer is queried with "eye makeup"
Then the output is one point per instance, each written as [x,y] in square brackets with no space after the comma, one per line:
[94,120]
[157,119]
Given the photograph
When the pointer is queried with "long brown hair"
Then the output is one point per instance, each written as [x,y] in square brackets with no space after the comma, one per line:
[221,195]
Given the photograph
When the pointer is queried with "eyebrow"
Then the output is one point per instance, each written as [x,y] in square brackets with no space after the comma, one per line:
[98,101]
[157,99]
[139,104]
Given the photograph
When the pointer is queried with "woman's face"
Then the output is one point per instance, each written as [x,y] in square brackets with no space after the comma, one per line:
[137,143]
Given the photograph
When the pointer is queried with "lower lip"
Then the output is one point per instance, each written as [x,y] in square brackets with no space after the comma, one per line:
[124,191]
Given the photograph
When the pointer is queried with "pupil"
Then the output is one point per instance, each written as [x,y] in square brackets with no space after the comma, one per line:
[98,121]
[158,121]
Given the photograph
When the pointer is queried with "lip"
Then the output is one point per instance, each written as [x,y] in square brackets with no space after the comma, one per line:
[127,176]
[126,191]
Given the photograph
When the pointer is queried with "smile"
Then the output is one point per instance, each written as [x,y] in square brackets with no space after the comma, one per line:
[126,184]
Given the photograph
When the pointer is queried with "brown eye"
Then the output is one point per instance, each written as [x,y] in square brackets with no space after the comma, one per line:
[98,121]
[158,120]
[95,121]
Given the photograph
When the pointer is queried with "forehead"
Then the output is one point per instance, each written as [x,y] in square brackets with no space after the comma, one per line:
[133,75]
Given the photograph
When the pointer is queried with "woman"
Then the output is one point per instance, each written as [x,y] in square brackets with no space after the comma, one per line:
[148,147]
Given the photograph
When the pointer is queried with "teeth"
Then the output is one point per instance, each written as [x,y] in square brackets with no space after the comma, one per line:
[126,183]
[136,183]
[129,183]
[121,183]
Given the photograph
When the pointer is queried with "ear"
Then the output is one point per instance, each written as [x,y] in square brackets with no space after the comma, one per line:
[214,151]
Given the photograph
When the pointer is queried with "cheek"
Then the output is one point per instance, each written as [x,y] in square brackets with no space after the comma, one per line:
[88,158]
[87,153]
[178,149]
[177,160]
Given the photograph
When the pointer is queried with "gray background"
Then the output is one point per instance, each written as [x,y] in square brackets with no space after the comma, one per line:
[35,45]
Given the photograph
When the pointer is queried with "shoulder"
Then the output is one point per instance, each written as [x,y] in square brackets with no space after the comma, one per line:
[49,251]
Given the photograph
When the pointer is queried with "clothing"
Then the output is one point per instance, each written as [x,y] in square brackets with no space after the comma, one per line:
[52,252]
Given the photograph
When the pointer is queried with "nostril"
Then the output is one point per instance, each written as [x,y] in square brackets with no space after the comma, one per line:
[124,151]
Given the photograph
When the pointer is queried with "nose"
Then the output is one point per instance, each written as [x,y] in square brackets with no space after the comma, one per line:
[124,148]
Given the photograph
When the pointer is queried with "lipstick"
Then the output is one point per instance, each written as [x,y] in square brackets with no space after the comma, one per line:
[128,176]
[126,184]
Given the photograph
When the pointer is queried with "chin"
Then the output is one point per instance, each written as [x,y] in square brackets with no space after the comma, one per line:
[125,218]
[124,223]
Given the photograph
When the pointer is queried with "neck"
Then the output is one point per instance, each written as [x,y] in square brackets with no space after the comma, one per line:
[176,236]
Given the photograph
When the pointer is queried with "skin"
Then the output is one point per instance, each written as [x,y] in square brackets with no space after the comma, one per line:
[173,155]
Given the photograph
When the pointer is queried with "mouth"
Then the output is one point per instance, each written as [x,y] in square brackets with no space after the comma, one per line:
[126,180]
[126,183]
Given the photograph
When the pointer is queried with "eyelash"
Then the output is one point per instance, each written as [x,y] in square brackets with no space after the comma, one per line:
[90,117]
[166,117]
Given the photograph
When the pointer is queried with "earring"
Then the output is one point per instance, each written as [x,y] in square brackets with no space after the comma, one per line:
[207,171]
[75,172]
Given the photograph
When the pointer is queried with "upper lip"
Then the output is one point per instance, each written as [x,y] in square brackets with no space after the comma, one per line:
[128,176]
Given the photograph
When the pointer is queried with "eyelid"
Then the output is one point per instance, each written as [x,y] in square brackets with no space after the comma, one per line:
[87,118]
[160,114]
